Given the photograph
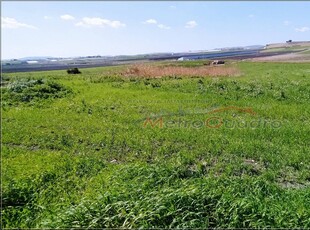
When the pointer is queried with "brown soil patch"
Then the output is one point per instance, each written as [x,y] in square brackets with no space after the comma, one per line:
[292,57]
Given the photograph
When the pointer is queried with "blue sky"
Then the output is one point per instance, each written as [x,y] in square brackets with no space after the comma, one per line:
[67,29]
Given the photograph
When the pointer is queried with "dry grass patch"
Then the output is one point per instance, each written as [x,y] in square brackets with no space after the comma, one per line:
[149,71]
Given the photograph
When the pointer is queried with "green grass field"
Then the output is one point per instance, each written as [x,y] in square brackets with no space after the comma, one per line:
[76,152]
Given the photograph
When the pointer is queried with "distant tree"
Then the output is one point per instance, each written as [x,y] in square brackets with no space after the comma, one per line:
[73,71]
[289,41]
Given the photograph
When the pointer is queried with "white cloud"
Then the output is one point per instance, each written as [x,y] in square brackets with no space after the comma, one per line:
[150,21]
[47,17]
[173,7]
[99,22]
[302,29]
[191,24]
[287,23]
[12,23]
[164,27]
[251,15]
[154,22]
[67,17]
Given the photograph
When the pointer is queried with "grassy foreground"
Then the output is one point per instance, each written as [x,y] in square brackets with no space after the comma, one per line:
[76,151]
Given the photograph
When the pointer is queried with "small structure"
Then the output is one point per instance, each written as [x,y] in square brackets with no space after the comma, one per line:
[191,58]
[32,62]
[218,62]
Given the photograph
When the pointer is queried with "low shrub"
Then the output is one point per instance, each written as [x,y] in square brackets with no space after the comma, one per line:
[74,71]
[26,90]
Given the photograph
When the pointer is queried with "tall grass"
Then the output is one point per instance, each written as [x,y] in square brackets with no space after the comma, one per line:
[151,71]
[84,159]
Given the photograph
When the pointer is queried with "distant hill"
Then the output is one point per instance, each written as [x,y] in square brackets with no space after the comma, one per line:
[254,47]
[37,58]
[288,44]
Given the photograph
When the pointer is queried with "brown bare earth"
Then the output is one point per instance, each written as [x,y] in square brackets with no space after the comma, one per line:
[149,71]
[291,57]
[292,44]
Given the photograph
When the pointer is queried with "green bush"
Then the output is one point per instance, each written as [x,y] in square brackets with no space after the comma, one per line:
[26,90]
[73,71]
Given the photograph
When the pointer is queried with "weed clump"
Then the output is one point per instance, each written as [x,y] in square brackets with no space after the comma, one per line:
[26,90]
[74,71]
